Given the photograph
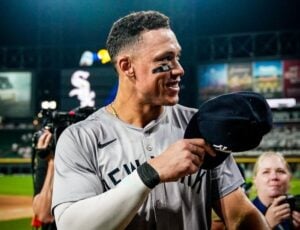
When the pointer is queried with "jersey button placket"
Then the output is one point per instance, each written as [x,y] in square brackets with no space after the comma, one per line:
[149,147]
[147,143]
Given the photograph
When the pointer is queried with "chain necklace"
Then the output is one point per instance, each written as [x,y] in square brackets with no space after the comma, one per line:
[114,112]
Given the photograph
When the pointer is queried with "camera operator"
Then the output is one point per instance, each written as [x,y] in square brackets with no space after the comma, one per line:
[272,177]
[43,181]
[53,123]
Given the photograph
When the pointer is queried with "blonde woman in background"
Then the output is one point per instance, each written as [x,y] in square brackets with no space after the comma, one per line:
[271,177]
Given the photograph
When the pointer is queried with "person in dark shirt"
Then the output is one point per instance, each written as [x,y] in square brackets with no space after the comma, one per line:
[43,183]
[271,177]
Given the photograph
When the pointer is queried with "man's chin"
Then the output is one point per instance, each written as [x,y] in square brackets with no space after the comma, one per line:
[172,101]
[167,101]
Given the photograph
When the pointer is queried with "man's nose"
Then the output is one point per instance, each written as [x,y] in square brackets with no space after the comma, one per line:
[177,69]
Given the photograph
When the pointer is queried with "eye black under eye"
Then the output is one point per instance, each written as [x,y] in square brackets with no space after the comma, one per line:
[162,68]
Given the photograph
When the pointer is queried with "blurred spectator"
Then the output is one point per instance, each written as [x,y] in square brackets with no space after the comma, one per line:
[271,177]
[43,183]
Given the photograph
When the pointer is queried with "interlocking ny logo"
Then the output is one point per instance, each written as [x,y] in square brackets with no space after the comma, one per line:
[222,148]
[102,145]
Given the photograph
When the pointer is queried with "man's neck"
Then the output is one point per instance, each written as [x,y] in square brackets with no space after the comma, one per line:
[134,113]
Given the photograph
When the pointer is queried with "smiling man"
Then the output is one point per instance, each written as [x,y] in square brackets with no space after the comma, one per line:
[127,166]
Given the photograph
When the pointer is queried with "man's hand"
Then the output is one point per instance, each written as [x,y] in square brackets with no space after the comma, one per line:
[44,140]
[182,158]
[278,211]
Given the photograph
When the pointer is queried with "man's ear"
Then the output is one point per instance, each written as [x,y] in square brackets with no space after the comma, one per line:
[125,65]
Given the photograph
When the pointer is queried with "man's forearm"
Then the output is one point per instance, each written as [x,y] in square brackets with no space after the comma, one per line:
[42,201]
[113,209]
[238,212]
[253,220]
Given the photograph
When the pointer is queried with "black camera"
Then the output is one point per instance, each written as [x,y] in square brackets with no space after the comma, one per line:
[56,122]
[293,201]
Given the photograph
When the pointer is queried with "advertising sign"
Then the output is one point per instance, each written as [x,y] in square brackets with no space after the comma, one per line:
[291,79]
[212,80]
[93,87]
[267,76]
[239,77]
[16,94]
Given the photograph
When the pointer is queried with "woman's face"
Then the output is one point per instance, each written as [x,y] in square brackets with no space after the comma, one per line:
[272,178]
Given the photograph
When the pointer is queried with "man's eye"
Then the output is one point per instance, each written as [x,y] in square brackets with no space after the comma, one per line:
[170,58]
[167,58]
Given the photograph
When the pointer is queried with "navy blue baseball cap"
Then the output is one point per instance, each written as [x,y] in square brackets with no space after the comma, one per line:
[232,122]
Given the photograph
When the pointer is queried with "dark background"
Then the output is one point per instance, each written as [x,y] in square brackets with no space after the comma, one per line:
[53,33]
[73,22]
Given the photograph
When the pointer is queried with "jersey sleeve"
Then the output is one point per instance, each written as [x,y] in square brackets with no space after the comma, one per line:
[226,178]
[76,176]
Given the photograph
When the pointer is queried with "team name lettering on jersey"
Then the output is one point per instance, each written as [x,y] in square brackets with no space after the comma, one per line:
[114,177]
[194,181]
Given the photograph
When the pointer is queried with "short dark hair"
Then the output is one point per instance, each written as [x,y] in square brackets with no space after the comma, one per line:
[127,30]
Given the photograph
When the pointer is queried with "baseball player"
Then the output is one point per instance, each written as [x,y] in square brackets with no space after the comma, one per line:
[127,166]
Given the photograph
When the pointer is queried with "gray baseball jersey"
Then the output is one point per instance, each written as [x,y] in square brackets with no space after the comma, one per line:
[94,155]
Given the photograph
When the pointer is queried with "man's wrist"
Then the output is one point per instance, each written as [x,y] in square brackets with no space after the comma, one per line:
[148,175]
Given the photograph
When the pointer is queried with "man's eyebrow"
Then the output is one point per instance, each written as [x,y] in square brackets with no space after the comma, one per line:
[167,53]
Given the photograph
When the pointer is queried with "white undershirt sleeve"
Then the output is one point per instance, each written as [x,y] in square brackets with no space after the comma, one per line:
[113,209]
